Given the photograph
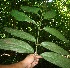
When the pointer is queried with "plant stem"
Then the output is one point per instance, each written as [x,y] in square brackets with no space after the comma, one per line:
[38,34]
[36,49]
[37,41]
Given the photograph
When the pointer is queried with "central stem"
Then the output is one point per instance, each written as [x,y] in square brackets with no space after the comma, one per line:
[38,33]
[37,41]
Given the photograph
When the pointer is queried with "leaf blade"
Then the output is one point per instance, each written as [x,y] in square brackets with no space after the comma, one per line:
[53,47]
[55,33]
[15,45]
[49,14]
[30,9]
[56,59]
[20,16]
[20,34]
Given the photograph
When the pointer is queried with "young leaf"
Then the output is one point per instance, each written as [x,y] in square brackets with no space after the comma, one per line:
[30,9]
[55,33]
[56,59]
[20,16]
[15,45]
[20,34]
[49,14]
[53,47]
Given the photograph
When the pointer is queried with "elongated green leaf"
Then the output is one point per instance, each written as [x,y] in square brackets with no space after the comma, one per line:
[15,45]
[55,33]
[20,34]
[20,16]
[53,47]
[49,14]
[30,9]
[56,59]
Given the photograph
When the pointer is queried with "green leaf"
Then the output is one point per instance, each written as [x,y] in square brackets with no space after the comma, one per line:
[49,14]
[55,33]
[30,9]
[15,45]
[56,59]
[68,2]
[53,47]
[20,34]
[20,16]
